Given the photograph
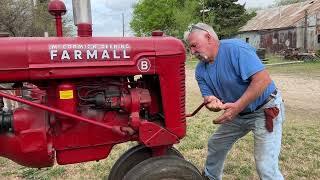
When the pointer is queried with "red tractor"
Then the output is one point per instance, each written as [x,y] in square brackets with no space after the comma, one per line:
[80,96]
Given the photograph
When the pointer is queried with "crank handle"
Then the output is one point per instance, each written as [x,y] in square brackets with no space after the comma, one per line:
[196,111]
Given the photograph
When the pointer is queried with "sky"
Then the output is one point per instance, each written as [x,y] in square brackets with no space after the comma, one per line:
[256,3]
[107,15]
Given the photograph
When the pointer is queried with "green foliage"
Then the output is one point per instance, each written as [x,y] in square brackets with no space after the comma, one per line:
[174,16]
[42,174]
[228,16]
[184,15]
[152,15]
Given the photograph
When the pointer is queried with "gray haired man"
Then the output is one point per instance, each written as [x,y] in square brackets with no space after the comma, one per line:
[232,78]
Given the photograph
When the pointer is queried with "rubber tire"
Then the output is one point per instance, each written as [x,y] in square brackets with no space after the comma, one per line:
[164,167]
[131,158]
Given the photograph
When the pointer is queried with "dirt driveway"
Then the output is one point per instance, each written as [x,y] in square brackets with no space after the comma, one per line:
[300,158]
[301,93]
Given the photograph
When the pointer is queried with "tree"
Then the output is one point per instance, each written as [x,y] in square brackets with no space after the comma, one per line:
[227,17]
[44,22]
[23,18]
[151,15]
[15,17]
[174,16]
[170,16]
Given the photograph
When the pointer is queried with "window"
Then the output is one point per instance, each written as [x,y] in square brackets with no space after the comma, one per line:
[318,38]
[247,40]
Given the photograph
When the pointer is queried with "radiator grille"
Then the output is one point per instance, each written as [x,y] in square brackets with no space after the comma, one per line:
[182,91]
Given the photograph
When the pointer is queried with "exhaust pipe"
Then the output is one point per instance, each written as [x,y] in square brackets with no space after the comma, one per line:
[82,17]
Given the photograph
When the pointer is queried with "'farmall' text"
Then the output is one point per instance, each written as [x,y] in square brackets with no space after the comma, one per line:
[78,52]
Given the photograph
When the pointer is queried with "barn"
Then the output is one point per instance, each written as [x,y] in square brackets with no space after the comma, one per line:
[284,27]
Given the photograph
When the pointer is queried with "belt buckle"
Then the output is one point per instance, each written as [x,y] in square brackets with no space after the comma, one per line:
[245,113]
[272,95]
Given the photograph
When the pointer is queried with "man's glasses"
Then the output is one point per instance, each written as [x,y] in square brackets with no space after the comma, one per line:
[193,27]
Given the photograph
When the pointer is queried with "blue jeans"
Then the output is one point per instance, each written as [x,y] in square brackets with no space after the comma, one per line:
[266,145]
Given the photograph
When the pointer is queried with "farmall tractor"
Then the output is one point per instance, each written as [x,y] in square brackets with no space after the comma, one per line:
[80,96]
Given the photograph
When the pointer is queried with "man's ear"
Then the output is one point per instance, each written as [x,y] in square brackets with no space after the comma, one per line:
[208,36]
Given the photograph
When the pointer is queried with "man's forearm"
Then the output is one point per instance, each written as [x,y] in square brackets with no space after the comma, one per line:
[259,82]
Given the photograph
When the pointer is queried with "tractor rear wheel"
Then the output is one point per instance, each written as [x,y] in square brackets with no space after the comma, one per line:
[164,168]
[132,157]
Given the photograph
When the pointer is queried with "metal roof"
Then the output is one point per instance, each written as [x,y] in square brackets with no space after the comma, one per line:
[281,17]
[4,34]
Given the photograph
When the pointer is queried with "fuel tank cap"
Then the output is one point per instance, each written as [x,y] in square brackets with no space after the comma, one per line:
[157,33]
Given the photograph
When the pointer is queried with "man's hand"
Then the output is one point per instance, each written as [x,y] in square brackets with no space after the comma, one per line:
[213,103]
[258,84]
[231,111]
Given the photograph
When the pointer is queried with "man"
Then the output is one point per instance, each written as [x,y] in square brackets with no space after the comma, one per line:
[232,78]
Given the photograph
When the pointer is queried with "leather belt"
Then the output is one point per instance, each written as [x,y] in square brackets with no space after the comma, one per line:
[272,96]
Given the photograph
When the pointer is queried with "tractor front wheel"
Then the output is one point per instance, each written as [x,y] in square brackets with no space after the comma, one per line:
[164,168]
[132,157]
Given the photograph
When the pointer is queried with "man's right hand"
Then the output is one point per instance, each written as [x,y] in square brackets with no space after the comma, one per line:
[213,103]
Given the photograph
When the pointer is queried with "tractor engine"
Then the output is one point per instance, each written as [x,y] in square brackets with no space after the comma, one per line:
[78,97]
[77,109]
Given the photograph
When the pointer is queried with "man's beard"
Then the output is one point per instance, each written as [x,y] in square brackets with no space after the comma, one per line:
[202,57]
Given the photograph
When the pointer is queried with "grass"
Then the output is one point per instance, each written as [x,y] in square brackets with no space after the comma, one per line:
[192,62]
[309,69]
[300,157]
[271,59]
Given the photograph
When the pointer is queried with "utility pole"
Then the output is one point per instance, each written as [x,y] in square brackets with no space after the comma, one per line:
[305,31]
[122,24]
[203,11]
